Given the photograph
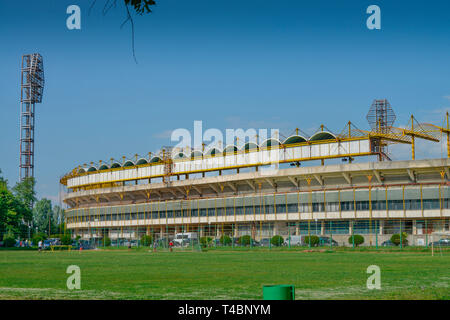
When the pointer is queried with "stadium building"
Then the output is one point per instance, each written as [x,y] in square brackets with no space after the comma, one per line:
[264,189]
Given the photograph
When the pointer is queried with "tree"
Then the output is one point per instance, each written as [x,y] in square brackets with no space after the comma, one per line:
[146,240]
[24,191]
[277,240]
[312,240]
[395,239]
[244,240]
[356,239]
[13,213]
[43,217]
[141,7]
[225,240]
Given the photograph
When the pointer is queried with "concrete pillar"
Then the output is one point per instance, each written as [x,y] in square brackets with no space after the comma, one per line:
[322,227]
[202,231]
[350,227]
[381,227]
[297,229]
[414,227]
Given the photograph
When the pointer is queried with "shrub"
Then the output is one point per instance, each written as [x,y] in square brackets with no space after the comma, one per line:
[106,241]
[205,241]
[225,240]
[66,239]
[244,240]
[357,239]
[395,239]
[146,240]
[40,236]
[277,240]
[313,239]
[9,240]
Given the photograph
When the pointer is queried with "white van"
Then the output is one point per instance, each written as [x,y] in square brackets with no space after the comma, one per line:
[294,241]
[184,238]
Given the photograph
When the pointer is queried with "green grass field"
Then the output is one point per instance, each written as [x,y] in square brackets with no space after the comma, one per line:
[221,274]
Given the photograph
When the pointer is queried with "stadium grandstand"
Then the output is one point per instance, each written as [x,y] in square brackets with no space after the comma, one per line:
[263,188]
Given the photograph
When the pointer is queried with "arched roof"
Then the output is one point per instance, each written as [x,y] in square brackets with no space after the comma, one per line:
[141,161]
[294,139]
[270,143]
[180,155]
[103,167]
[81,170]
[249,146]
[92,169]
[322,135]
[230,149]
[128,163]
[115,165]
[155,159]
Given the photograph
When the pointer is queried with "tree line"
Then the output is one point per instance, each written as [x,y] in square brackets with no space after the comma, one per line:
[23,216]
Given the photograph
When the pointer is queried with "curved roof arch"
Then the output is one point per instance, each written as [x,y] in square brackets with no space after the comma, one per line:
[250,146]
[230,149]
[155,159]
[128,163]
[180,155]
[271,142]
[295,139]
[103,167]
[115,165]
[81,170]
[92,169]
[141,161]
[322,135]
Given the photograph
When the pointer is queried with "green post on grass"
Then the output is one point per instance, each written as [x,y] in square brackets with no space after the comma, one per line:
[279,292]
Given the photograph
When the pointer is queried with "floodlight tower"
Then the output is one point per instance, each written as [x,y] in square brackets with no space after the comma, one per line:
[32,88]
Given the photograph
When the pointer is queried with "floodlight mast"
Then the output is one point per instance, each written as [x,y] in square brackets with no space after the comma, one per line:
[32,87]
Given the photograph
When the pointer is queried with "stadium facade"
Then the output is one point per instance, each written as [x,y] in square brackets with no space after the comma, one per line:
[263,190]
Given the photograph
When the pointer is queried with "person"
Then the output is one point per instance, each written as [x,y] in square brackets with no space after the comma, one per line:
[154,246]
[40,245]
[170,246]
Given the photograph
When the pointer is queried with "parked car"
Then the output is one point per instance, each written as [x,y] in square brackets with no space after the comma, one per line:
[83,244]
[387,243]
[265,242]
[293,241]
[442,242]
[325,241]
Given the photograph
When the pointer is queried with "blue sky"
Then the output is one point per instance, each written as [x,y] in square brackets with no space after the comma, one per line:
[261,64]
